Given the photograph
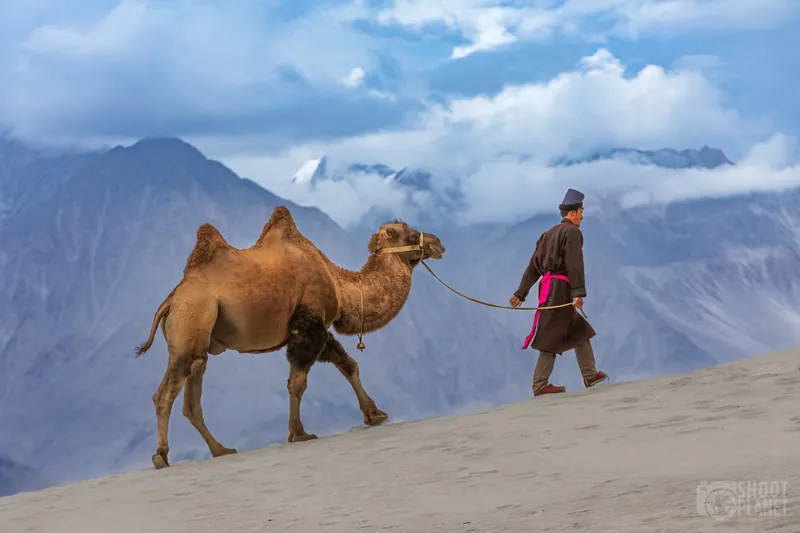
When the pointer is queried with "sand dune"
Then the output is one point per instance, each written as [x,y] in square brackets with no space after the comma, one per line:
[621,457]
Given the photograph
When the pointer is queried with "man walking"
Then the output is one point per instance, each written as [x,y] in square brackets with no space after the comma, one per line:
[558,260]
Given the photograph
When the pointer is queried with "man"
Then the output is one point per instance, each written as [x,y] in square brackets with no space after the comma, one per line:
[558,260]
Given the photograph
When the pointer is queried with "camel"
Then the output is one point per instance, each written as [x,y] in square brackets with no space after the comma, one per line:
[280,292]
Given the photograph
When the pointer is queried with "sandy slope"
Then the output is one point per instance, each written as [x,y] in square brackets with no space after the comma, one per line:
[622,457]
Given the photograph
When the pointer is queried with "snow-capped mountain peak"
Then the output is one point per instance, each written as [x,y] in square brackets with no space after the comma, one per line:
[311,171]
[416,179]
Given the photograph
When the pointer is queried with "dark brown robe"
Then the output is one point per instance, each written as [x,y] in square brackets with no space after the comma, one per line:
[559,250]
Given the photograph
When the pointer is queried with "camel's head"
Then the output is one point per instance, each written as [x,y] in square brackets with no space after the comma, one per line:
[399,238]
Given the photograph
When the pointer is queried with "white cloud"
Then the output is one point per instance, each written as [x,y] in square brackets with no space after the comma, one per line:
[506,189]
[769,166]
[355,78]
[490,24]
[499,147]
[345,201]
[184,58]
[597,104]
[487,24]
[779,152]
[488,31]
[692,15]
[530,189]
[112,34]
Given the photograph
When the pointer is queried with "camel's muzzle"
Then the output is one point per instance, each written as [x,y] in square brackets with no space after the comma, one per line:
[429,247]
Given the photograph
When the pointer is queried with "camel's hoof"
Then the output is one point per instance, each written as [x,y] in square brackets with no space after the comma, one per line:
[375,417]
[225,451]
[301,438]
[160,461]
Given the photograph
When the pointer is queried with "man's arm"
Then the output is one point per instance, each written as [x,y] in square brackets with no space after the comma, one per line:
[573,259]
[529,277]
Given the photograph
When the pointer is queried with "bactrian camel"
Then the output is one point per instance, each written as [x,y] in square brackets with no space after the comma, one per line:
[280,292]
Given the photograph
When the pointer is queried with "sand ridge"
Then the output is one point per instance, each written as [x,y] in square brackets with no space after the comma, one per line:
[620,457]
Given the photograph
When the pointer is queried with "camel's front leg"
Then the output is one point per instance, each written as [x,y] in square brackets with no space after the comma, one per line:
[307,338]
[335,353]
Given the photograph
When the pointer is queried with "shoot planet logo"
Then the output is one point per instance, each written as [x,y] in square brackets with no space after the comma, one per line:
[724,500]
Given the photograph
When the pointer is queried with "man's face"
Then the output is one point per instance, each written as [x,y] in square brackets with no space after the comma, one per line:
[577,216]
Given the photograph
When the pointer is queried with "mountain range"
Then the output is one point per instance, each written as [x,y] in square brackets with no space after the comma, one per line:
[93,242]
[313,171]
[433,201]
[705,157]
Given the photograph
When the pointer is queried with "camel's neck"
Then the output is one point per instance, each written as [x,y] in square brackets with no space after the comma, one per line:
[384,282]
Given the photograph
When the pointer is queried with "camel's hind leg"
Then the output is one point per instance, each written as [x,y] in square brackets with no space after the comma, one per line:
[164,398]
[335,353]
[189,332]
[307,338]
[193,409]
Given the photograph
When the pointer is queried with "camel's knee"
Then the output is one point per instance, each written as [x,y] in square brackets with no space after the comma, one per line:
[170,386]
[163,404]
[190,410]
[348,367]
[297,384]
[193,387]
[161,400]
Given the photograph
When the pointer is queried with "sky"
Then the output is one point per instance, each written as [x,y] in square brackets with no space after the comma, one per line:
[485,92]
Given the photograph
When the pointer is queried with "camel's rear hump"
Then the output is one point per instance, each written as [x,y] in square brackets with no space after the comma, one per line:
[282,221]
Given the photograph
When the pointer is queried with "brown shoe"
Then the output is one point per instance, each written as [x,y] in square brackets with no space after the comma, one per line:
[550,389]
[598,377]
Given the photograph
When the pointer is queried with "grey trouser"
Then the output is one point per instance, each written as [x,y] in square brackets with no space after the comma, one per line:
[544,366]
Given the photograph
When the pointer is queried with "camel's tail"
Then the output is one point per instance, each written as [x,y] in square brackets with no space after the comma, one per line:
[163,309]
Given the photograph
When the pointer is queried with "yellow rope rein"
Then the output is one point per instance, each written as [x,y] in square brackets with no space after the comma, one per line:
[418,248]
[495,305]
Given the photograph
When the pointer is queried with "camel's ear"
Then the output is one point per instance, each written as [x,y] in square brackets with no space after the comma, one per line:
[391,233]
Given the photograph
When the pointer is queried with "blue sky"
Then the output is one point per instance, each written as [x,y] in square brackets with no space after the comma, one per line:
[265,85]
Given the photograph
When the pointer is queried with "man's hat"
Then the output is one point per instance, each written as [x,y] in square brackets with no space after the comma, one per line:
[572,200]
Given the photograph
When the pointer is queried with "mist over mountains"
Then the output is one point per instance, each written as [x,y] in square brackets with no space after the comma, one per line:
[315,171]
[92,242]
[441,200]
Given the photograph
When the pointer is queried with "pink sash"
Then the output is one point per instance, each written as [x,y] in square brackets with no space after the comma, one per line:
[544,291]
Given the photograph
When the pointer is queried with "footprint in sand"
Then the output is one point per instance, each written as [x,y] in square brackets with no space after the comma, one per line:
[765,376]
[681,381]
[627,402]
[672,421]
[789,380]
[714,418]
[697,429]
[750,413]
[726,408]
[508,506]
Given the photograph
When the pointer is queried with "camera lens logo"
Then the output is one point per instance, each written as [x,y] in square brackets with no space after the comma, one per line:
[720,504]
